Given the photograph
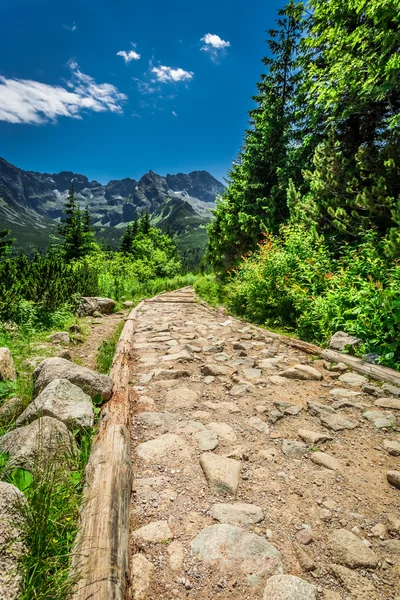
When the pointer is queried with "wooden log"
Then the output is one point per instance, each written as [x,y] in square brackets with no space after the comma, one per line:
[101,553]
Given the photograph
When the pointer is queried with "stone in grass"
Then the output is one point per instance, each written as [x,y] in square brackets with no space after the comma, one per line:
[288,587]
[89,381]
[237,514]
[381,419]
[35,444]
[233,548]
[10,409]
[302,372]
[393,478]
[349,550]
[392,447]
[7,367]
[12,547]
[341,340]
[153,533]
[313,437]
[358,586]
[61,400]
[141,575]
[61,337]
[222,474]
[326,460]
[294,449]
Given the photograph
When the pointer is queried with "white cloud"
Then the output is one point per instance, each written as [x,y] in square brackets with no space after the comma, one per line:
[130,55]
[168,74]
[214,45]
[174,113]
[29,101]
[70,27]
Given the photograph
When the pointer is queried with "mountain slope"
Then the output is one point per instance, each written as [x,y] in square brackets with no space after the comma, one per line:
[31,203]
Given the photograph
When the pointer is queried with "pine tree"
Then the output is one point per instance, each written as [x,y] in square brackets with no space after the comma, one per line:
[127,238]
[76,229]
[144,223]
[5,242]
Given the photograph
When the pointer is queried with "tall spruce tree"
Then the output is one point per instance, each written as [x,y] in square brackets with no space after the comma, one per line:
[127,239]
[5,242]
[75,229]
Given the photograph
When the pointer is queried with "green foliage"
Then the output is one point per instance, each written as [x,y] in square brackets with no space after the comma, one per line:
[209,289]
[5,242]
[76,229]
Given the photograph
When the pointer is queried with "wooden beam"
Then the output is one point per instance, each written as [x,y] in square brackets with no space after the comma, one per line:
[101,553]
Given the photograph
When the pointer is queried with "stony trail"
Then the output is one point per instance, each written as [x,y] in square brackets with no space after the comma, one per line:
[259,472]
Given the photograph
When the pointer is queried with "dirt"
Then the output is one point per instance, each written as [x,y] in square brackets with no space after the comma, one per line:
[294,493]
[97,330]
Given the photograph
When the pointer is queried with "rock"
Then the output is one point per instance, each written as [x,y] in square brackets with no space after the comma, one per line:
[155,419]
[213,348]
[234,548]
[288,587]
[88,306]
[176,554]
[347,404]
[341,341]
[61,400]
[170,374]
[359,587]
[353,379]
[153,533]
[288,409]
[392,447]
[349,550]
[7,367]
[90,382]
[337,422]
[259,425]
[380,529]
[237,514]
[64,354]
[381,419]
[393,390]
[326,460]
[207,438]
[394,525]
[313,437]
[32,363]
[317,409]
[304,536]
[181,398]
[193,348]
[306,562]
[331,595]
[294,449]
[302,372]
[371,389]
[273,415]
[271,363]
[343,393]
[12,547]
[252,373]
[163,448]
[392,403]
[44,439]
[240,390]
[62,337]
[128,304]
[141,575]
[224,432]
[10,409]
[222,474]
[338,367]
[393,478]
[391,547]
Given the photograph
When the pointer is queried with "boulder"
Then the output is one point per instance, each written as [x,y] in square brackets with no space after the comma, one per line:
[7,367]
[89,381]
[90,305]
[43,440]
[10,410]
[61,400]
[11,546]
[288,587]
[341,341]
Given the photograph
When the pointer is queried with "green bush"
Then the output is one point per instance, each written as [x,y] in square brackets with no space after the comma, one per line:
[209,289]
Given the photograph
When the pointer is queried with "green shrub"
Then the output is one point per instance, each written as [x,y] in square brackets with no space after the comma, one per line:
[209,289]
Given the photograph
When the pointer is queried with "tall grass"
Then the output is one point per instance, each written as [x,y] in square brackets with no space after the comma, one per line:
[106,351]
[134,289]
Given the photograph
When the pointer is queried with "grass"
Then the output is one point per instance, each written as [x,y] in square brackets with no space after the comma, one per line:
[106,351]
[135,290]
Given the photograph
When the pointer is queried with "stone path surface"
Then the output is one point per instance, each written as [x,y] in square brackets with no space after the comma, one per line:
[260,472]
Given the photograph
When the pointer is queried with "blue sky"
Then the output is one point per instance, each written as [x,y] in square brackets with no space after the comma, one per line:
[114,88]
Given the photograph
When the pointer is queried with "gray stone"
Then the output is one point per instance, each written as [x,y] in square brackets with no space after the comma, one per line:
[222,474]
[237,513]
[206,438]
[338,367]
[313,437]
[302,372]
[392,447]
[7,367]
[337,422]
[273,415]
[347,404]
[153,533]
[348,550]
[234,548]
[344,393]
[259,425]
[89,381]
[90,305]
[393,390]
[306,562]
[288,409]
[10,409]
[224,432]
[240,390]
[326,460]
[61,400]
[304,536]
[358,586]
[164,448]
[252,373]
[371,389]
[392,403]
[44,439]
[141,576]
[12,546]
[181,398]
[288,587]
[294,449]
[393,478]
[61,337]
[381,419]
[341,340]
[170,374]
[317,409]
[391,547]
[353,379]
[155,419]
[214,370]
[271,363]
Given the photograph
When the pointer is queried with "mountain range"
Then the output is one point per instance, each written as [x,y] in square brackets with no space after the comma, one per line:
[31,203]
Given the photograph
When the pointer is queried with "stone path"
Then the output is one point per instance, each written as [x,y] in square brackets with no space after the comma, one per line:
[259,472]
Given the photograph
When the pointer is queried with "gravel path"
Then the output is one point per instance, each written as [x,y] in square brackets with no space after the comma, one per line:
[260,473]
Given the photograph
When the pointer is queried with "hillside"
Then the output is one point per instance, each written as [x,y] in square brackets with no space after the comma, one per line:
[31,203]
